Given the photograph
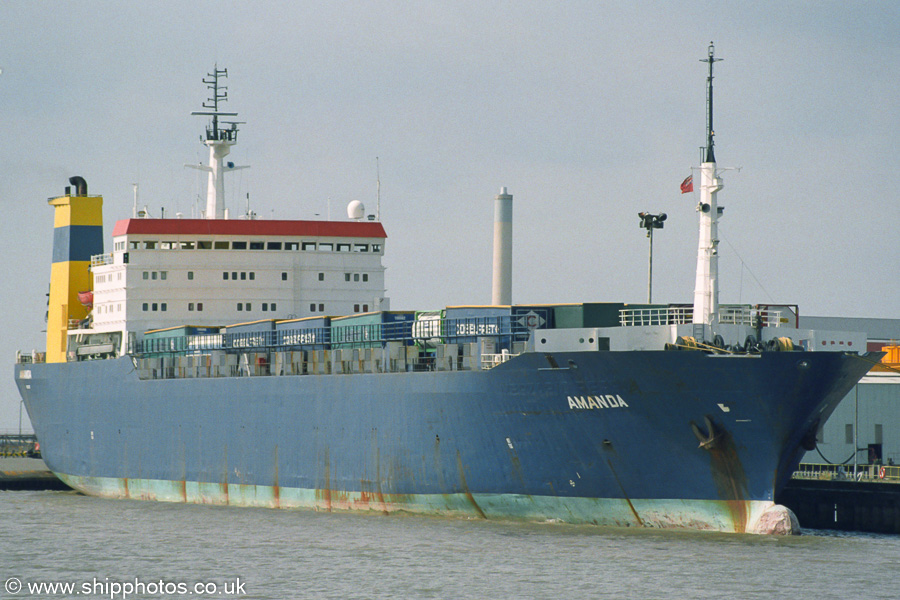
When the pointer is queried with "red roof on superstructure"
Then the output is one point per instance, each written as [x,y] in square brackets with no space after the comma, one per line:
[362,229]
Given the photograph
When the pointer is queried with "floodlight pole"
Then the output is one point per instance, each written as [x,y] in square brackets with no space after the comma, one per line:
[650,269]
[651,222]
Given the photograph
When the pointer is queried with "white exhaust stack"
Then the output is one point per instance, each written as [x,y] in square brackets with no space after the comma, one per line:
[501,290]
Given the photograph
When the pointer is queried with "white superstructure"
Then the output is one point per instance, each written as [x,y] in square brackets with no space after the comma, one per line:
[169,272]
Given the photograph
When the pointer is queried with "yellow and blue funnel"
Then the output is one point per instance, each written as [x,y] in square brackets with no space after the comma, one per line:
[77,235]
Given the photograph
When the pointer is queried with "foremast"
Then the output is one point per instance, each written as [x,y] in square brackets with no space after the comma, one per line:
[706,289]
[219,139]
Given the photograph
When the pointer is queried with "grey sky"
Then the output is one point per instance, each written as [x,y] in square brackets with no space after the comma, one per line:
[589,112]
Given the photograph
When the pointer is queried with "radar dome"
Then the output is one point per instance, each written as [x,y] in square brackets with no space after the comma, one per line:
[356,210]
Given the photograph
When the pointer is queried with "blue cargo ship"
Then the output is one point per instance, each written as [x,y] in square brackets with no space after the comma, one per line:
[248,362]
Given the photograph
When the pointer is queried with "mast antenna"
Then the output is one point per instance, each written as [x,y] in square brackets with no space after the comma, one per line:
[219,140]
[710,155]
[377,191]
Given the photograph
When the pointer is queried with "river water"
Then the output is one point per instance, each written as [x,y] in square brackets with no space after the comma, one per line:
[120,549]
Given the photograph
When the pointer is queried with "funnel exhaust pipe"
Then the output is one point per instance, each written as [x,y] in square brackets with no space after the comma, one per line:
[80,185]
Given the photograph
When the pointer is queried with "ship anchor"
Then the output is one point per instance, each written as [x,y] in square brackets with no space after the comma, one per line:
[707,440]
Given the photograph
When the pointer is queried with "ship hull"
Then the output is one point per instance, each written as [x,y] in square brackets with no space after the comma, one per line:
[588,437]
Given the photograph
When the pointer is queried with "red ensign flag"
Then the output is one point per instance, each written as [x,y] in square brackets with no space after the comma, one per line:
[687,185]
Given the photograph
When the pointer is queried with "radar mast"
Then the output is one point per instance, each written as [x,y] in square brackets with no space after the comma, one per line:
[219,139]
[706,286]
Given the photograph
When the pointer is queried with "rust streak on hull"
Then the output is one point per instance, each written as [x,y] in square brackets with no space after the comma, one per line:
[465,486]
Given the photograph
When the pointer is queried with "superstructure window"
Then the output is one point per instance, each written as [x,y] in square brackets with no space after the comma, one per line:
[163,307]
[346,276]
[238,245]
[326,247]
[240,306]
[168,245]
[343,247]
[376,247]
[252,275]
[225,275]
[204,245]
[187,245]
[149,245]
[308,246]
[243,275]
[283,276]
[291,245]
[134,245]
[356,277]
[360,247]
[191,306]
[257,245]
[145,307]
[321,276]
[199,306]
[365,276]
[146,274]
[190,275]
[273,246]
[234,275]
[220,245]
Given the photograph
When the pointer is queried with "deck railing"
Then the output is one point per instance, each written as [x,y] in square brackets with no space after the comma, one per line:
[729,314]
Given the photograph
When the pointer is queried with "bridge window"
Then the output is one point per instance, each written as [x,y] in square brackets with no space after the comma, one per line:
[238,245]
[220,245]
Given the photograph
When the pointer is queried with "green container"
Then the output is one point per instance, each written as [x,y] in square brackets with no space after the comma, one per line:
[588,314]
